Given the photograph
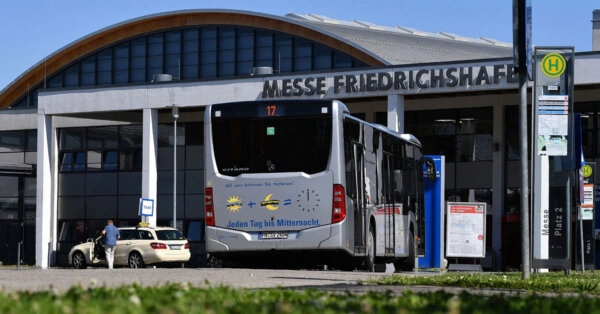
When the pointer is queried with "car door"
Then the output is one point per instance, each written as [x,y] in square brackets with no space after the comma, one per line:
[123,244]
[142,244]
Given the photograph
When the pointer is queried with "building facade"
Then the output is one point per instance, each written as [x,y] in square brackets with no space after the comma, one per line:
[89,130]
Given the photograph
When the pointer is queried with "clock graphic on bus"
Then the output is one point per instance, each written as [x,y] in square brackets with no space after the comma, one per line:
[308,200]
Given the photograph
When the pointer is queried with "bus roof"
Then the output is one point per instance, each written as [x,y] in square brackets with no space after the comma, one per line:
[405,136]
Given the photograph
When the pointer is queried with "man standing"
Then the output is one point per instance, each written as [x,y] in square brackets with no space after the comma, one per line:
[112,235]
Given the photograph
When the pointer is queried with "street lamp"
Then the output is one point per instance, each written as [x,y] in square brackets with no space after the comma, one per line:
[175,114]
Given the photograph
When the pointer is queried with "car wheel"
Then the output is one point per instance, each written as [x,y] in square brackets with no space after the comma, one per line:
[136,260]
[78,260]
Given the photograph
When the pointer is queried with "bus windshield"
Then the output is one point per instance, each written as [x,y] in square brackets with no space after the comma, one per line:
[271,144]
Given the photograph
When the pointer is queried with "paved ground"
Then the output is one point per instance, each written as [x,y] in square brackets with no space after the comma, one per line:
[33,279]
[61,279]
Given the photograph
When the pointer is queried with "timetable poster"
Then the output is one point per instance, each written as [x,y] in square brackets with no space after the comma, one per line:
[466,230]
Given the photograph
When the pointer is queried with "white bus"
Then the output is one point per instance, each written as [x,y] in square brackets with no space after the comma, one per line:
[303,181]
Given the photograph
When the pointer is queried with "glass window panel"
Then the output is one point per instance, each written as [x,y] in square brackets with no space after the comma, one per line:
[190,60]
[341,61]
[131,136]
[155,55]
[227,69]
[226,38]
[264,39]
[138,75]
[278,153]
[88,71]
[173,40]
[302,64]
[56,81]
[105,60]
[72,139]
[226,52]
[9,186]
[122,63]
[30,186]
[138,60]
[190,40]
[190,66]
[79,161]
[245,54]
[264,49]
[476,147]
[283,52]
[105,67]
[72,76]
[208,57]
[303,48]
[31,141]
[66,164]
[322,57]
[9,208]
[130,159]
[194,133]
[102,137]
[165,135]
[512,133]
[110,160]
[94,160]
[12,141]
[29,203]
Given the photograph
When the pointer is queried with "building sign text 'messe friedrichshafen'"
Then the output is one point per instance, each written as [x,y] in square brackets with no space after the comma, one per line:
[395,80]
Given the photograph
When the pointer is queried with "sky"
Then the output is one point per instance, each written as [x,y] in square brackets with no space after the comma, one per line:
[31,30]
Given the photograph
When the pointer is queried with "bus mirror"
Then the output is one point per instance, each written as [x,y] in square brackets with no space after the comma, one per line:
[430,169]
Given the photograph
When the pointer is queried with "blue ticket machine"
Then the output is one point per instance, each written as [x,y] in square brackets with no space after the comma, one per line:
[434,214]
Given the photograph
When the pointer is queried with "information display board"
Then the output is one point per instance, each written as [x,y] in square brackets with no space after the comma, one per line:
[465,235]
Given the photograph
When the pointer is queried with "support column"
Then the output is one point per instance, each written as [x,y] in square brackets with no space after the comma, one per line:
[149,173]
[395,113]
[45,214]
[498,185]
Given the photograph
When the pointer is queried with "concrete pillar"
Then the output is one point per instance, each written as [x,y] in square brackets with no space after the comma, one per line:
[498,185]
[596,30]
[45,216]
[149,173]
[395,110]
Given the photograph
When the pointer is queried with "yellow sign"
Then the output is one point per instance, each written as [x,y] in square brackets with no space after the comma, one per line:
[553,64]
[587,170]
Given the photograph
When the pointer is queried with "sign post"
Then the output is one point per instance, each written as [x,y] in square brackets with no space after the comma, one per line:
[522,57]
[554,164]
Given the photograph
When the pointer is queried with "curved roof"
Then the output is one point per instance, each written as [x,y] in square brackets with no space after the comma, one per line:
[401,45]
[375,46]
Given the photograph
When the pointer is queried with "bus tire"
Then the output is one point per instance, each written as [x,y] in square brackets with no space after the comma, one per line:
[213,262]
[370,257]
[407,263]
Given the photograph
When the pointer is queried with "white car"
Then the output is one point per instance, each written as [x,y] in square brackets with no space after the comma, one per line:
[136,248]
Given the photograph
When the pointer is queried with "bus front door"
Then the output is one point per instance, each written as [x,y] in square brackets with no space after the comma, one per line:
[359,198]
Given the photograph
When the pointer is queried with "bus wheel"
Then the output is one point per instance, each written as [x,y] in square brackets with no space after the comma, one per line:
[370,258]
[214,262]
[408,263]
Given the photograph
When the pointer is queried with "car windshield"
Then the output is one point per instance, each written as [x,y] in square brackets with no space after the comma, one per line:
[169,235]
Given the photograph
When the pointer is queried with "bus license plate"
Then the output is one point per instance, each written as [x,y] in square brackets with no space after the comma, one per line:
[272,235]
